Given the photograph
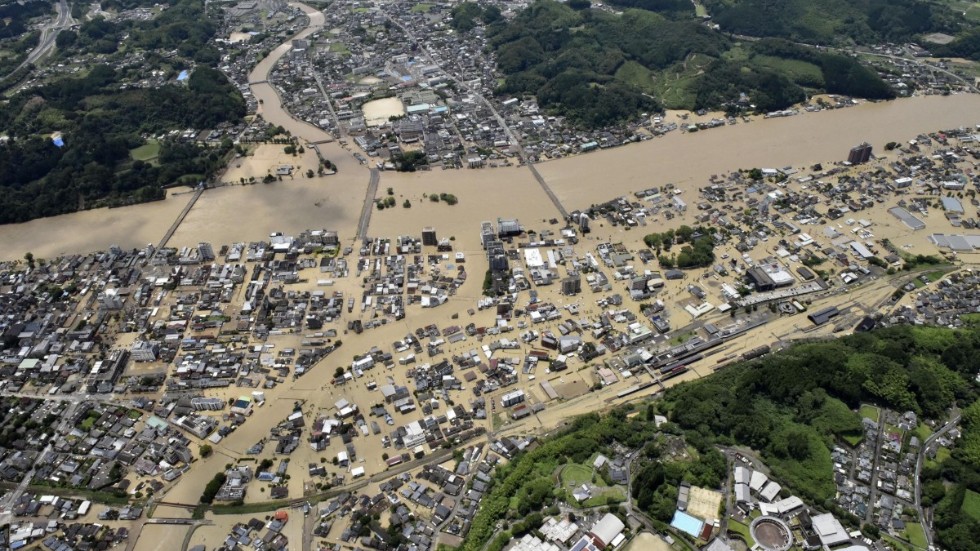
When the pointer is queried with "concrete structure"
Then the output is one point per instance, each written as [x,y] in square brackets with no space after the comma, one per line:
[512,398]
[429,238]
[606,530]
[859,154]
[829,530]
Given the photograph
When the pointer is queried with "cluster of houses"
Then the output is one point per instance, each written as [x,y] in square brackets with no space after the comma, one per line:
[765,216]
[435,499]
[561,534]
[368,53]
[922,78]
[59,532]
[941,303]
[785,522]
[90,445]
[257,534]
[397,274]
[77,536]
[876,479]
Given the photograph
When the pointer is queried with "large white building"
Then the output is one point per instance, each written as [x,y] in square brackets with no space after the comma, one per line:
[829,530]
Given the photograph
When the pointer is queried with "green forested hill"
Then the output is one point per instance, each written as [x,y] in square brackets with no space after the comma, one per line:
[100,124]
[599,68]
[102,117]
[790,407]
[833,21]
[795,405]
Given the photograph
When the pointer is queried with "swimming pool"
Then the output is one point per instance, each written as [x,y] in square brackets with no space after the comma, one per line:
[687,524]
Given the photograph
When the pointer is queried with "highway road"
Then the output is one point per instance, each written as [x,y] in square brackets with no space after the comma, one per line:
[49,33]
[75,399]
[372,190]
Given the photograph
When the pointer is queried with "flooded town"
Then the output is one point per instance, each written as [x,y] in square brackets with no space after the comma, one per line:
[321,350]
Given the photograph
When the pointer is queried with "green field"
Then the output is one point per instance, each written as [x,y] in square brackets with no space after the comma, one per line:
[575,475]
[339,48]
[922,432]
[894,543]
[147,152]
[970,10]
[190,179]
[800,72]
[676,86]
[421,8]
[971,504]
[941,455]
[742,530]
[633,73]
[915,535]
[869,411]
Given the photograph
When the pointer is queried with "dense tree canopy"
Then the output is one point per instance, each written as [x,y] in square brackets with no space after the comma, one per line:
[832,21]
[790,407]
[794,405]
[100,124]
[600,68]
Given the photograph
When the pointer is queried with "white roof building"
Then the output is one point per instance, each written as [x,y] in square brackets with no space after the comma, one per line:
[829,530]
[742,493]
[531,543]
[561,532]
[782,506]
[758,480]
[742,475]
[771,491]
[533,258]
[608,528]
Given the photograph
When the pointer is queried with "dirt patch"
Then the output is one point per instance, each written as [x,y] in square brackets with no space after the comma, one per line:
[704,504]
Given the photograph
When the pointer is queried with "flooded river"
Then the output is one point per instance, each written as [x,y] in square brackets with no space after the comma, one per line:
[271,109]
[686,160]
[793,141]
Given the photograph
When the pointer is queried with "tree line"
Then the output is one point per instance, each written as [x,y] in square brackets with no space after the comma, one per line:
[697,249]
[791,407]
[183,27]
[833,21]
[572,61]
[794,406]
[100,123]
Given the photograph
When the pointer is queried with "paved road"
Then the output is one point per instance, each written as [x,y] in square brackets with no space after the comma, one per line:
[927,526]
[49,33]
[8,500]
[326,97]
[71,398]
[180,217]
[369,195]
[875,466]
[969,85]
[630,512]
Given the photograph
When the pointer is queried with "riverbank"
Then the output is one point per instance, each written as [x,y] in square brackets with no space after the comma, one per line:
[684,159]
